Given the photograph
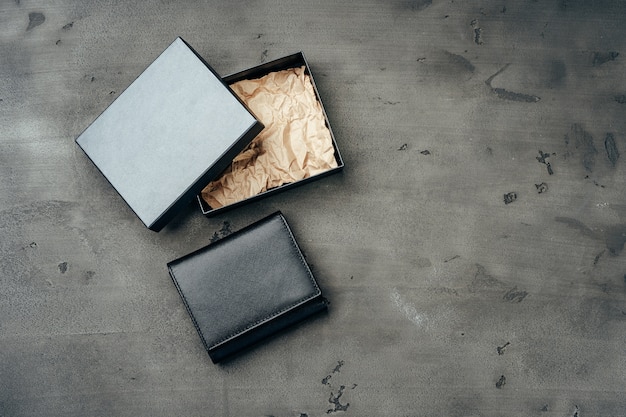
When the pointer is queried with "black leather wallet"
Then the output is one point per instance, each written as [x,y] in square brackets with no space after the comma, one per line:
[247,286]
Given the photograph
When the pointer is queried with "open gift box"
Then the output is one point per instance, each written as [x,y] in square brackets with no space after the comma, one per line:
[180,132]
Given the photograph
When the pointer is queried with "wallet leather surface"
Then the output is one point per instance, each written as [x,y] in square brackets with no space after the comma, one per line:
[246,286]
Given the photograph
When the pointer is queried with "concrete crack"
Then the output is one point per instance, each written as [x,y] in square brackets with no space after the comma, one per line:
[510,95]
[334,400]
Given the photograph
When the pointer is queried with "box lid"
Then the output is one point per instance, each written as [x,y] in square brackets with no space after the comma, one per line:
[176,127]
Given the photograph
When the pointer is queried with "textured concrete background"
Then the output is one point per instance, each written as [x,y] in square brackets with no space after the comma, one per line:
[444,299]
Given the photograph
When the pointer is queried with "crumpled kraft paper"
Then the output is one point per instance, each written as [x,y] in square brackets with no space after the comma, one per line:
[294,145]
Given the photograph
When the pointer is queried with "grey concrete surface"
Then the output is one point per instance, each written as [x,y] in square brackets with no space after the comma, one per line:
[445,301]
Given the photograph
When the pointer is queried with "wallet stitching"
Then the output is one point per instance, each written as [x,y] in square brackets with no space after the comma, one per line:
[290,306]
[299,253]
[187,307]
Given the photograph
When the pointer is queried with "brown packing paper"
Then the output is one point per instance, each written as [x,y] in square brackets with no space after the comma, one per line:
[294,145]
